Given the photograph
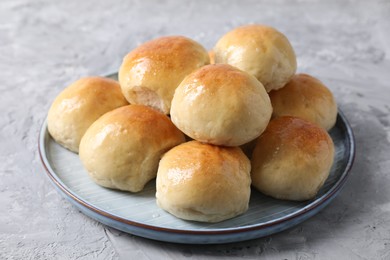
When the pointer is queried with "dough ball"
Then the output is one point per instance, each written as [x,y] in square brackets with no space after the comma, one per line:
[203,182]
[221,105]
[306,97]
[292,159]
[151,72]
[79,105]
[121,150]
[260,50]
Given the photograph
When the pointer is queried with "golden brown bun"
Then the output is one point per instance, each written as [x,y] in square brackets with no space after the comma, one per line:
[292,159]
[79,105]
[121,150]
[150,73]
[222,105]
[306,97]
[260,50]
[203,182]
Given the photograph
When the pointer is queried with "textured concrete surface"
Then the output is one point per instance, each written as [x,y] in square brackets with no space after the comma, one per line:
[44,45]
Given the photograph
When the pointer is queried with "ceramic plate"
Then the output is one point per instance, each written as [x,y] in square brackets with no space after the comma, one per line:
[138,213]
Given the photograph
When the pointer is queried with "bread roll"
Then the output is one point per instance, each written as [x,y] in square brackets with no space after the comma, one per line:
[292,159]
[150,73]
[203,182]
[306,97]
[121,150]
[221,105]
[260,50]
[79,105]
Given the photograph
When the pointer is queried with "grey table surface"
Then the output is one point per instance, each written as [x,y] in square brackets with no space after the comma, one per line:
[45,45]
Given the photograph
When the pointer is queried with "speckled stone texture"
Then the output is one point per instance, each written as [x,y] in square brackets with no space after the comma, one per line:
[45,45]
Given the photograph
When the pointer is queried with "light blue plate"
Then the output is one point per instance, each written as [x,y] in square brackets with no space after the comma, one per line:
[138,213]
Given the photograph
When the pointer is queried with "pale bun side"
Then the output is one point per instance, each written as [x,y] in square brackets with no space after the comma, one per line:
[79,105]
[306,97]
[260,50]
[212,57]
[150,73]
[292,159]
[221,105]
[121,150]
[203,182]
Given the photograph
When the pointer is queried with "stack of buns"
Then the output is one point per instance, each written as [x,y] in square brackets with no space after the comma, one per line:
[250,119]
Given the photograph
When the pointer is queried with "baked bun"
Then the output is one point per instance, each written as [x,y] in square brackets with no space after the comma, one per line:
[306,97]
[121,150]
[150,73]
[79,105]
[292,159]
[260,50]
[203,182]
[221,105]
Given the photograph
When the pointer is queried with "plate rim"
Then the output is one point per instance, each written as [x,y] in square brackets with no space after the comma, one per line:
[322,200]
